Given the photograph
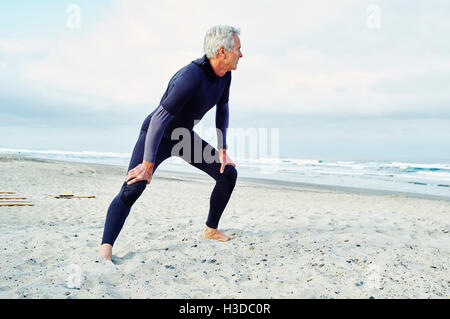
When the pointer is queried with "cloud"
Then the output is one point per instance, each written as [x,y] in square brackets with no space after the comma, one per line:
[316,58]
[129,58]
[14,46]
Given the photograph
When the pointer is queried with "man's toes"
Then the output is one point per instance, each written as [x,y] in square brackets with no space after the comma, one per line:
[226,238]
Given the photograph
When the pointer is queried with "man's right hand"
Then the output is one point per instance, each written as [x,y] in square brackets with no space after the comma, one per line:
[141,172]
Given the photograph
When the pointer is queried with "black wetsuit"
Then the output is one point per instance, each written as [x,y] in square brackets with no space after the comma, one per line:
[191,92]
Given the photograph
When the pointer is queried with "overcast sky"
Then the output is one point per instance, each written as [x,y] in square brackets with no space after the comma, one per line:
[346,58]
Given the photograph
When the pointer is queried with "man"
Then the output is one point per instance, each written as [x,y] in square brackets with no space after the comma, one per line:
[191,92]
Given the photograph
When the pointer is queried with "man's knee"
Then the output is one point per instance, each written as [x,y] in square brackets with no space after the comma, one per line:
[130,193]
[230,175]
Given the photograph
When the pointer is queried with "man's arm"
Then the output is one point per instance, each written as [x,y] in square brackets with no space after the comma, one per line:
[222,118]
[155,132]
[182,90]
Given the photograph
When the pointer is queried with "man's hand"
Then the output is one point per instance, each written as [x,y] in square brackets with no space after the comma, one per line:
[224,160]
[141,172]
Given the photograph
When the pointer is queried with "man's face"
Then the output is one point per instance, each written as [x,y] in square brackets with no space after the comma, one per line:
[232,57]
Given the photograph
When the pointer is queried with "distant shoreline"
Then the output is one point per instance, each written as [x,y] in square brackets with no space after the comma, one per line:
[169,174]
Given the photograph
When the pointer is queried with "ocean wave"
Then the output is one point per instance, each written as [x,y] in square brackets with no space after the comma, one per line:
[417,166]
[433,178]
[65,153]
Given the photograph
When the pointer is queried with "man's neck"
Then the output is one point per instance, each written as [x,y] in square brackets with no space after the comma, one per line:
[218,67]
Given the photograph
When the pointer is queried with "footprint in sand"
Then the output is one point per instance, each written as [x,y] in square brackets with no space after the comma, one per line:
[120,260]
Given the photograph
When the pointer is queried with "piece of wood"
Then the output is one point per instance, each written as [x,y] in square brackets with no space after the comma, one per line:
[7,192]
[13,198]
[69,197]
[15,201]
[15,204]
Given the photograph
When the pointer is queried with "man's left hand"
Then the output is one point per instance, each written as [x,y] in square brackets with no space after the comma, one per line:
[224,160]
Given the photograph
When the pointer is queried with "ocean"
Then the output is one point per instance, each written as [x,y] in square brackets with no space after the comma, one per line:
[431,178]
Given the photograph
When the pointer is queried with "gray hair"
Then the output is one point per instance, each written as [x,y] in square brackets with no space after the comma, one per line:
[219,36]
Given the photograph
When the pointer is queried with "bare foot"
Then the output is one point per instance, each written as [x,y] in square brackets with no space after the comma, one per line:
[105,251]
[213,233]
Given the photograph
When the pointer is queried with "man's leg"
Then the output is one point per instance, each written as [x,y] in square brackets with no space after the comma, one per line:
[208,162]
[121,205]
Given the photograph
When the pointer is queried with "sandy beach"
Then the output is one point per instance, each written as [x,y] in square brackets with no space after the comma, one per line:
[292,241]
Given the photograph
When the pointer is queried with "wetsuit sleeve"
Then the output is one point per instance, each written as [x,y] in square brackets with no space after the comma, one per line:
[181,90]
[222,118]
[155,131]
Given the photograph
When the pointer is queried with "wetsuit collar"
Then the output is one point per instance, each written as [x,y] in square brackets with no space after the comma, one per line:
[203,62]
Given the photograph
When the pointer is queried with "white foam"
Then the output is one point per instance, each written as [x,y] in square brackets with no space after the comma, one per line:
[397,175]
[71,153]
